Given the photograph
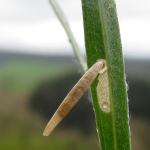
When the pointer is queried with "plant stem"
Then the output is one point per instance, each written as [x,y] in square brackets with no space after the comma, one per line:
[102,40]
[63,20]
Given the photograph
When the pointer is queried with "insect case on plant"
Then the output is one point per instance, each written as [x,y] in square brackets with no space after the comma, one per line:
[99,68]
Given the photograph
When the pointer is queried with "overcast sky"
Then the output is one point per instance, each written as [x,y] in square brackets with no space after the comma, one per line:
[31,26]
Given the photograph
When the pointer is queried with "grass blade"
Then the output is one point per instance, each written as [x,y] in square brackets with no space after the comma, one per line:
[102,40]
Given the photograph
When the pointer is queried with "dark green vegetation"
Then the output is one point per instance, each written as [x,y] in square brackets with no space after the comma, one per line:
[102,40]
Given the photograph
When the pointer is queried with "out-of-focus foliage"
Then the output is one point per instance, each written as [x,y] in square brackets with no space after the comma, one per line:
[21,126]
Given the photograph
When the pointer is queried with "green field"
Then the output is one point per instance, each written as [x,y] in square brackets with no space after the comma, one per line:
[18,76]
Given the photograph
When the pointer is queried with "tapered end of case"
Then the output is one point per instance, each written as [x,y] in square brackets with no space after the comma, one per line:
[54,121]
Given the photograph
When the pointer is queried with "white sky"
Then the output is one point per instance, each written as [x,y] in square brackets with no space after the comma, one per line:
[31,26]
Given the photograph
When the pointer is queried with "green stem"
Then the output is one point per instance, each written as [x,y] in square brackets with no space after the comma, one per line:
[63,20]
[102,40]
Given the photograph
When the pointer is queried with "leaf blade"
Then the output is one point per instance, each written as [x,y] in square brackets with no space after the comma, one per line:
[102,39]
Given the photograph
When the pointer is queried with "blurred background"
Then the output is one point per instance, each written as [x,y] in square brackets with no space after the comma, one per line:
[38,68]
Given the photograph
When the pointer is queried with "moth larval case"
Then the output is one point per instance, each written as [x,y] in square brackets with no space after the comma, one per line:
[74,95]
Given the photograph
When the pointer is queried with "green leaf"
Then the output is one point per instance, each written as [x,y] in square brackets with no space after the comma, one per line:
[102,40]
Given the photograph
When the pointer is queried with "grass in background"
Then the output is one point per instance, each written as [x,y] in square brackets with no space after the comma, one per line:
[25,132]
[65,141]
